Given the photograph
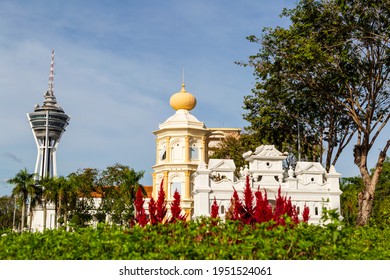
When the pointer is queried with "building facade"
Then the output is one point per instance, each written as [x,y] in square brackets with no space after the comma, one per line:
[308,184]
[181,145]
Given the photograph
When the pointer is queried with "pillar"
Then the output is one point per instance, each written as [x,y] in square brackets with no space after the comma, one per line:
[187,148]
[165,185]
[203,154]
[187,185]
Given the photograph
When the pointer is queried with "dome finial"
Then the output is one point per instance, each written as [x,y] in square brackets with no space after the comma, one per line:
[183,99]
[182,81]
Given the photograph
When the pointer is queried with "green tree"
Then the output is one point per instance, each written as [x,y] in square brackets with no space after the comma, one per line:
[57,191]
[233,147]
[79,194]
[329,70]
[351,187]
[64,195]
[9,213]
[24,182]
[119,187]
[68,196]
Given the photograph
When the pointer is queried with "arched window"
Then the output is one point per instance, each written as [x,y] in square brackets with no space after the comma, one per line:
[194,153]
[222,210]
[175,186]
[177,150]
[162,151]
[194,150]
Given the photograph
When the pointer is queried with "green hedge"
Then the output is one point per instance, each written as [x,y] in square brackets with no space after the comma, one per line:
[200,241]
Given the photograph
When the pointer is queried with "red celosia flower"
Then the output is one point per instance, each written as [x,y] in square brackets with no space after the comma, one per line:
[152,211]
[248,211]
[237,206]
[176,209]
[263,210]
[214,209]
[161,209]
[305,214]
[279,210]
[140,215]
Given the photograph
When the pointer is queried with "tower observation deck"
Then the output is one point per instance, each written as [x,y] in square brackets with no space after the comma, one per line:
[48,123]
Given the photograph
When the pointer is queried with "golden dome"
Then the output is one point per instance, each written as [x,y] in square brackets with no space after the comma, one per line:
[183,100]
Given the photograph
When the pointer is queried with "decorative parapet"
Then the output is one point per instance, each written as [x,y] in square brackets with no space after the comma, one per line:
[222,170]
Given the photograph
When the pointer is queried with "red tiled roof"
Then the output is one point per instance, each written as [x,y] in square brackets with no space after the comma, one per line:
[148,189]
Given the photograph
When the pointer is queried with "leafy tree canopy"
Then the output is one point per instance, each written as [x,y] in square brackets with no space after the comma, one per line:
[325,79]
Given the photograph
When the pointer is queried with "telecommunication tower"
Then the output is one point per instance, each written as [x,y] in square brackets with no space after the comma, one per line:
[48,123]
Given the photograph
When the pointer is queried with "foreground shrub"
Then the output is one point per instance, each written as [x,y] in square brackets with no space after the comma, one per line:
[201,240]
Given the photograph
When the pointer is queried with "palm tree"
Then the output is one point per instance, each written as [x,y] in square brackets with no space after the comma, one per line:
[23,182]
[56,190]
[68,195]
[62,188]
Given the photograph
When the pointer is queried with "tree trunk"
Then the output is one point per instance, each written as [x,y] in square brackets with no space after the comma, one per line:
[31,217]
[23,215]
[366,196]
[44,214]
[59,212]
[66,218]
[365,199]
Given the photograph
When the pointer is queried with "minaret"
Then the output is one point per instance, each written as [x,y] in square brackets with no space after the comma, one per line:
[48,123]
[180,147]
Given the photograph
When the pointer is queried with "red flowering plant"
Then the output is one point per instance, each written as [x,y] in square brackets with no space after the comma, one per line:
[237,208]
[214,209]
[305,214]
[140,214]
[152,211]
[161,206]
[254,209]
[214,212]
[262,211]
[176,209]
[158,210]
[247,209]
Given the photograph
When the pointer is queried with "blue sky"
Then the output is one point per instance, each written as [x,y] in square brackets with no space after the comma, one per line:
[117,63]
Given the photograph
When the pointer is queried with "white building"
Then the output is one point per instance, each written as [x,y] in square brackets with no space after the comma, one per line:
[308,184]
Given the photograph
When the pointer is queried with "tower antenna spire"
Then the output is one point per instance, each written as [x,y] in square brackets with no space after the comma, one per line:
[51,76]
